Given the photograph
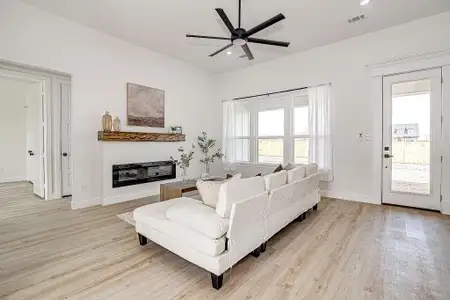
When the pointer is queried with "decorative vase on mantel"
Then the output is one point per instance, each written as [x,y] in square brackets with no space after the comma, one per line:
[107,122]
[116,124]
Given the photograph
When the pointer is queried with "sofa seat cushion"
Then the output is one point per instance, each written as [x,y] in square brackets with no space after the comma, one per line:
[199,217]
[275,180]
[296,174]
[154,217]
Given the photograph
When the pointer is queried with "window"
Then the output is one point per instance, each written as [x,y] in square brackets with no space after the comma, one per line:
[291,127]
[270,136]
[301,134]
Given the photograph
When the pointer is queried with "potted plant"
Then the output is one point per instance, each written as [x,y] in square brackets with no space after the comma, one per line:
[206,145]
[185,161]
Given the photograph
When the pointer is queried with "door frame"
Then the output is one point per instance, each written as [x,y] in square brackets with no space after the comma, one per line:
[416,200]
[397,65]
[52,121]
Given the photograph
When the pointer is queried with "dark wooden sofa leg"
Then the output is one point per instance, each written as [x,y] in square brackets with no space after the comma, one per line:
[142,240]
[217,281]
[257,252]
[315,207]
[263,247]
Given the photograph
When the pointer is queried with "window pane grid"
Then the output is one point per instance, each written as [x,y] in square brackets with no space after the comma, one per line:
[270,150]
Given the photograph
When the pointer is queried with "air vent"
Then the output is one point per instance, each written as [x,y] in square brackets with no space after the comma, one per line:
[356,19]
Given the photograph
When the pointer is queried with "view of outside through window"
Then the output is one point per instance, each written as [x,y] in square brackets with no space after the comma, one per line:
[411,138]
[301,132]
[271,132]
[270,125]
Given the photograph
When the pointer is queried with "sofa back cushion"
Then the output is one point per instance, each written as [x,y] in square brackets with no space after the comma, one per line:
[314,182]
[209,190]
[248,214]
[280,198]
[275,180]
[296,174]
[236,191]
[311,169]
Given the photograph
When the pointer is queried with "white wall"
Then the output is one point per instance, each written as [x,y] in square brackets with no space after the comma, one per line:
[100,66]
[357,165]
[13,131]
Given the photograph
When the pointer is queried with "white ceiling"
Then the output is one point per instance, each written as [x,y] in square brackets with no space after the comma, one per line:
[161,25]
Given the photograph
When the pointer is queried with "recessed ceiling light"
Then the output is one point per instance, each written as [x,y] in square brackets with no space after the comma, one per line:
[229,52]
[364,2]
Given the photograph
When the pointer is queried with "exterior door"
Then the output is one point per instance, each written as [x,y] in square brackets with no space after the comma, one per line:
[66,141]
[412,138]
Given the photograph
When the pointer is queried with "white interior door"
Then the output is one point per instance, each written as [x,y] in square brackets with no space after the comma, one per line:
[32,133]
[412,139]
[35,139]
[66,144]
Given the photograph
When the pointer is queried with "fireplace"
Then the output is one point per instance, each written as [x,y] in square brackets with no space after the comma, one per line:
[139,173]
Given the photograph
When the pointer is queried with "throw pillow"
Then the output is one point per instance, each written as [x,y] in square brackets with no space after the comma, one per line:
[209,190]
[289,166]
[278,169]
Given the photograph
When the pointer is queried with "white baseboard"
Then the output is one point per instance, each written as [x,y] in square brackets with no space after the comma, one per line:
[129,196]
[85,204]
[11,179]
[349,197]
[445,208]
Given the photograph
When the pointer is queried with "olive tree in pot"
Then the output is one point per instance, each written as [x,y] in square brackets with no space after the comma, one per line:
[206,145]
[185,161]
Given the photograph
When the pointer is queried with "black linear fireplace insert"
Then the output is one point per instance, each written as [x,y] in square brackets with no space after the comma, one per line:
[138,173]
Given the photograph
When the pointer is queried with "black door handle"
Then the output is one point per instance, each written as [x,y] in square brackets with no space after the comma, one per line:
[388,156]
[64,154]
[30,153]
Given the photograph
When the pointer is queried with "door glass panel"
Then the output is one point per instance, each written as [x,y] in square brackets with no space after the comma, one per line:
[411,137]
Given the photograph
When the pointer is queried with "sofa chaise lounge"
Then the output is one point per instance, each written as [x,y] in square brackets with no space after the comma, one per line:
[248,213]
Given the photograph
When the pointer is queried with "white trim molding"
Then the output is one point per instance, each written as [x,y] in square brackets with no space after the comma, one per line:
[445,208]
[416,62]
[350,197]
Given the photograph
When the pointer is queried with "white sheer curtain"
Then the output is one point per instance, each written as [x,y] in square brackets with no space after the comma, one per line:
[236,131]
[229,132]
[320,149]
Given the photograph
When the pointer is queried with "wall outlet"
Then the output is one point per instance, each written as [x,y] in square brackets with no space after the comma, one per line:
[85,187]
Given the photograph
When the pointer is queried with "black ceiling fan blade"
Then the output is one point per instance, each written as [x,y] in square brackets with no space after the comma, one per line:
[268,42]
[207,37]
[247,51]
[225,19]
[221,49]
[265,24]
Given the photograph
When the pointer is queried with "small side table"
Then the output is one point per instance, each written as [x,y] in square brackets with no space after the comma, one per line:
[176,189]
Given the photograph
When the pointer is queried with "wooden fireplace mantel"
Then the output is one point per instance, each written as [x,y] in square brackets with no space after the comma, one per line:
[119,136]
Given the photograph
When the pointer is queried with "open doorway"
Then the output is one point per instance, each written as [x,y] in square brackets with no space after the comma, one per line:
[35,117]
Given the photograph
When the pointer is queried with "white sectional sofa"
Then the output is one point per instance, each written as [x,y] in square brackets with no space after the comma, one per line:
[248,213]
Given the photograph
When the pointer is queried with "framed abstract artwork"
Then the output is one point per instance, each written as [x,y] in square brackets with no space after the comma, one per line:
[145,106]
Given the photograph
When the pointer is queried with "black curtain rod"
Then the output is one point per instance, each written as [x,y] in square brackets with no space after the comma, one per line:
[272,93]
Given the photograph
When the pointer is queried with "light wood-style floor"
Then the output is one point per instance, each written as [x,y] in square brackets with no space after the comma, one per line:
[345,250]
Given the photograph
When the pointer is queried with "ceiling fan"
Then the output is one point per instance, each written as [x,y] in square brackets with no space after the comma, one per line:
[240,36]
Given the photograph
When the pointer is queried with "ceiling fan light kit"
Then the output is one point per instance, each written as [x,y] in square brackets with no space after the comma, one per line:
[241,37]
